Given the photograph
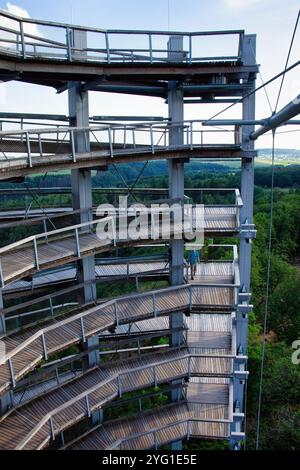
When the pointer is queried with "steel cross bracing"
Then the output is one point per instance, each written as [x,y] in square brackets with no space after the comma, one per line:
[210,312]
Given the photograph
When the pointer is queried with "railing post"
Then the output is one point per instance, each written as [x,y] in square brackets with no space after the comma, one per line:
[110,143]
[51,428]
[190,298]
[151,137]
[190,49]
[45,229]
[22,39]
[116,313]
[191,135]
[189,367]
[154,305]
[188,430]
[73,146]
[155,440]
[36,256]
[114,232]
[11,372]
[1,275]
[28,150]
[44,346]
[40,145]
[150,48]
[82,329]
[68,39]
[78,253]
[119,386]
[133,138]
[154,377]
[51,306]
[124,137]
[87,402]
[107,48]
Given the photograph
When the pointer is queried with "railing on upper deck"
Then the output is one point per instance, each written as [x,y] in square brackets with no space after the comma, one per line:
[33,146]
[29,38]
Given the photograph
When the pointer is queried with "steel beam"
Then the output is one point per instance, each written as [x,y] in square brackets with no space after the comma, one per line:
[289,111]
[210,101]
[81,178]
[132,90]
[47,117]
[128,118]
[176,190]
[245,122]
[246,217]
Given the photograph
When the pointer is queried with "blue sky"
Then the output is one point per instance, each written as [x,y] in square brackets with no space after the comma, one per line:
[271,20]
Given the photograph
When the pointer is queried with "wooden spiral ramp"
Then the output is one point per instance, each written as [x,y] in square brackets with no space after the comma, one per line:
[51,396]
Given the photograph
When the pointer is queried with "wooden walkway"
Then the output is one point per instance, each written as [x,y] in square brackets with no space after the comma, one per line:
[58,247]
[207,272]
[29,426]
[17,167]
[204,415]
[40,150]
[24,350]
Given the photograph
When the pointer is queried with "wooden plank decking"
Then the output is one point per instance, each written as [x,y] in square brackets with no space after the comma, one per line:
[24,350]
[29,424]
[19,166]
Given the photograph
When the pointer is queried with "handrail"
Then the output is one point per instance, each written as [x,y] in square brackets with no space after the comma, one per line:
[155,430]
[110,141]
[39,236]
[116,126]
[116,319]
[116,377]
[105,53]
[119,31]
[79,229]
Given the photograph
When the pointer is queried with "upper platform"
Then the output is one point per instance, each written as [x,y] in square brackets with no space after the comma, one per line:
[122,60]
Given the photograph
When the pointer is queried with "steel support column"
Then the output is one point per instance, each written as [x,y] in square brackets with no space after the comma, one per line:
[246,216]
[176,190]
[81,178]
[93,356]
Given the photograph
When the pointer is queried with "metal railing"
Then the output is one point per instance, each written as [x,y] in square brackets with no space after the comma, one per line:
[109,140]
[190,218]
[184,430]
[29,38]
[113,313]
[88,401]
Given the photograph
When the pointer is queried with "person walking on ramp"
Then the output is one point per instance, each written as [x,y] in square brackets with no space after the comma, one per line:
[194,258]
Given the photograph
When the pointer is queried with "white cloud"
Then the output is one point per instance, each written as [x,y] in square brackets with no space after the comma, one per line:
[12,24]
[16,10]
[242,3]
